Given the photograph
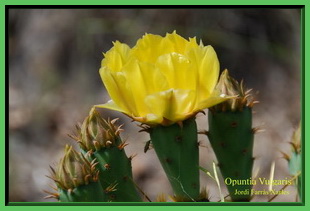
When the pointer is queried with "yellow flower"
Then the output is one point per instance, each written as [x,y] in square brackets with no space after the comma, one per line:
[161,80]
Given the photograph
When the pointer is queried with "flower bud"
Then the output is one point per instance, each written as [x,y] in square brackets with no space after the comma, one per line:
[230,87]
[74,170]
[97,132]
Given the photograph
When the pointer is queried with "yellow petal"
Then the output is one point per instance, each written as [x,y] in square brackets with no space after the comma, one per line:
[154,79]
[182,104]
[150,47]
[180,44]
[116,57]
[174,105]
[136,86]
[111,105]
[205,61]
[177,70]
[158,103]
[116,85]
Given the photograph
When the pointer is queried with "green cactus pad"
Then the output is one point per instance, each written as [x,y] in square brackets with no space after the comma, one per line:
[116,175]
[100,140]
[177,149]
[231,136]
[91,192]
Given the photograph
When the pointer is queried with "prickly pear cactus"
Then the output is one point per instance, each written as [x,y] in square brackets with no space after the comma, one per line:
[100,140]
[77,179]
[177,149]
[231,136]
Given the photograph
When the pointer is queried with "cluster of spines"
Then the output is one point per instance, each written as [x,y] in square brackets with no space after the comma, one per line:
[76,178]
[240,96]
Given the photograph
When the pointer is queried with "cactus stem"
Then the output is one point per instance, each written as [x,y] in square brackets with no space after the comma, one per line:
[178,139]
[244,151]
[107,166]
[233,124]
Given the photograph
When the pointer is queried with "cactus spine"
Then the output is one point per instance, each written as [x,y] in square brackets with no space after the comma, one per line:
[231,136]
[101,141]
[77,179]
[177,149]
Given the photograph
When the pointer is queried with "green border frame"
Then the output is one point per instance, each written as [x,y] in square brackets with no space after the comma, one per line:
[137,206]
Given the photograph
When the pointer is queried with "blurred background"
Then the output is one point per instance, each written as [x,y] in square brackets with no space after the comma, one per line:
[55,55]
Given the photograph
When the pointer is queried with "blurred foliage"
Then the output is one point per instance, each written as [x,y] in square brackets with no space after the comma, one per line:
[55,55]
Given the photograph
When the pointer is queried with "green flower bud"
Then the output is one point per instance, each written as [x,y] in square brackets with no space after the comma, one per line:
[96,133]
[74,170]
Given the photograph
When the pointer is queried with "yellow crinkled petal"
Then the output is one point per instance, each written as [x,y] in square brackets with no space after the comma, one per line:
[116,85]
[182,104]
[206,62]
[116,57]
[155,80]
[174,105]
[150,47]
[177,70]
[158,103]
[180,44]
[126,93]
[111,86]
[136,85]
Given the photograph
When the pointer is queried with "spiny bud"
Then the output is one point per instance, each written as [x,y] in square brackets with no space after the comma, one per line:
[230,87]
[74,170]
[96,132]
